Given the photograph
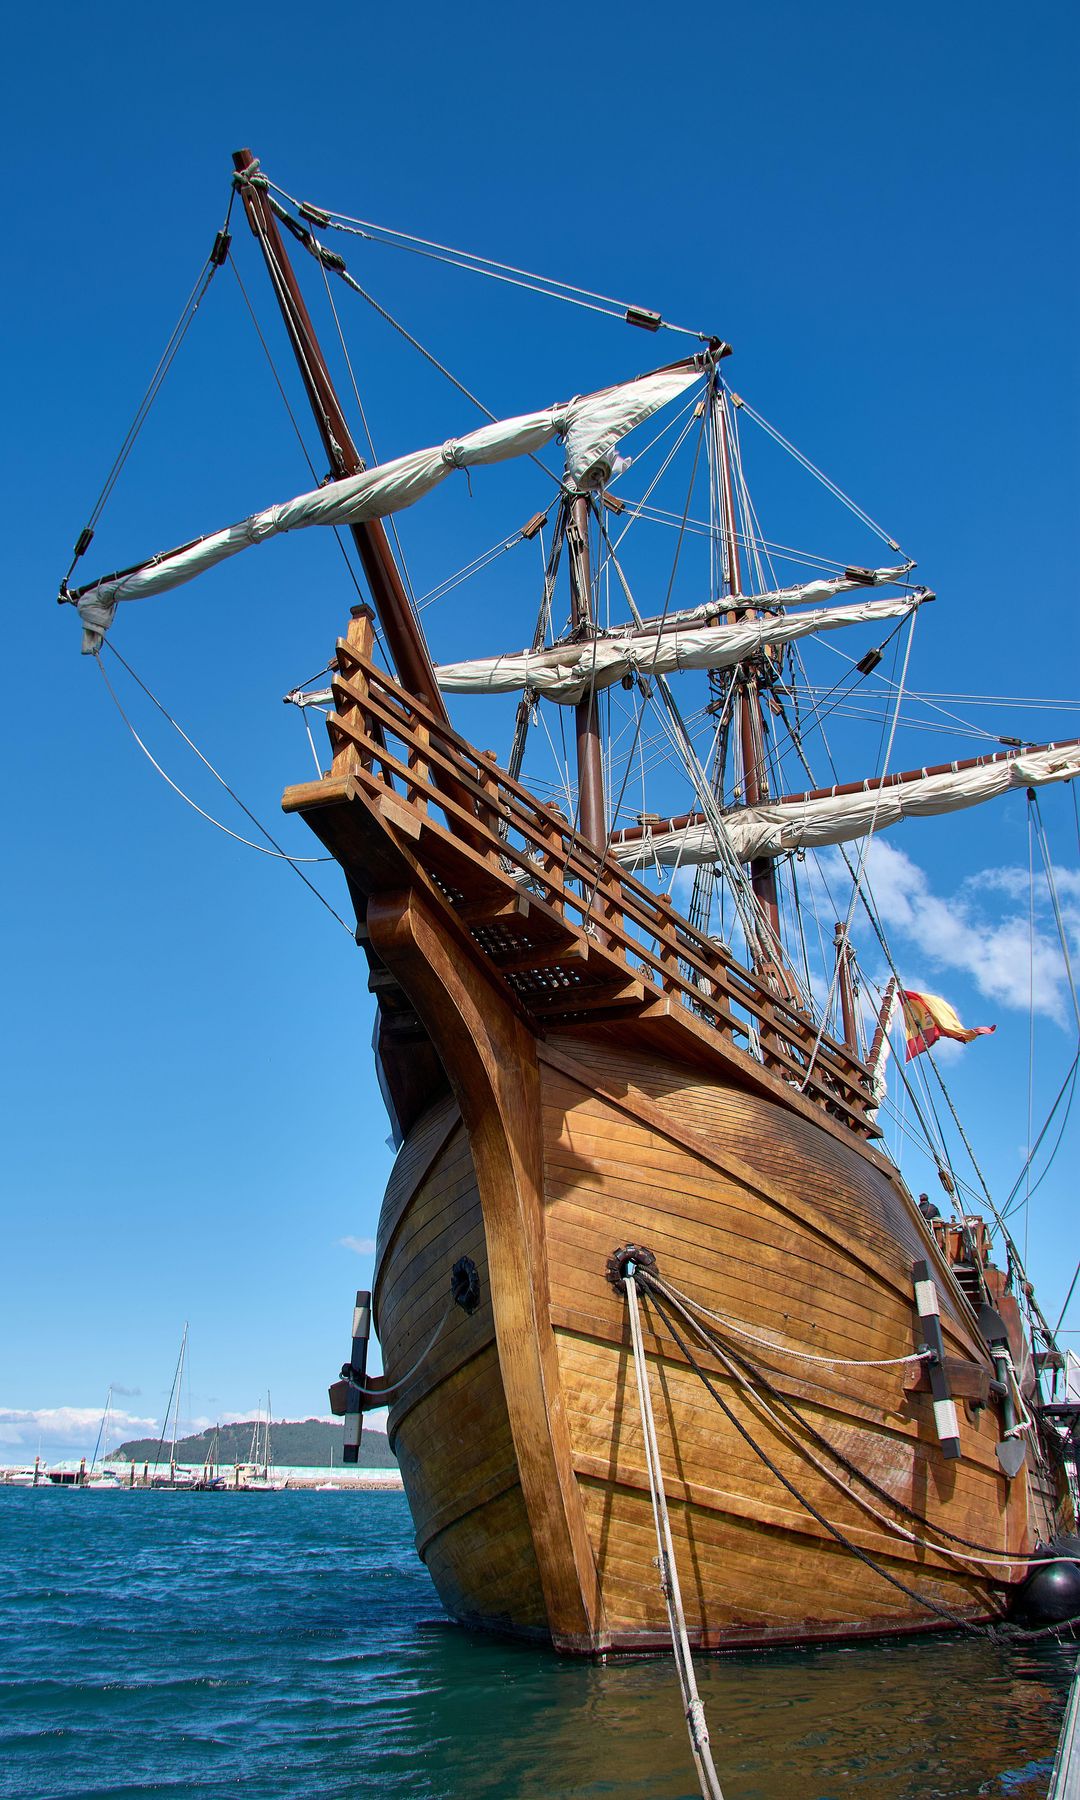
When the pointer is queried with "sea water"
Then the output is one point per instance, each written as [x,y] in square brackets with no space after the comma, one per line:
[292,1644]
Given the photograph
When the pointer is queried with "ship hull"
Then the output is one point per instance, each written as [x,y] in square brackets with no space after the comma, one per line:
[520,1440]
[573,1069]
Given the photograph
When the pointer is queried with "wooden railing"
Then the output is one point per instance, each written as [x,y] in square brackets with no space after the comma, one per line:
[570,931]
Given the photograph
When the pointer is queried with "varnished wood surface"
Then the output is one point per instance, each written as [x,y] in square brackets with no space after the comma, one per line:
[755,1566]
[449,1427]
[518,1433]
[725,1226]
[490,1058]
[451,816]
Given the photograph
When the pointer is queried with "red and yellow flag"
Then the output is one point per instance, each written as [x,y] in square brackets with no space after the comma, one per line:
[927,1017]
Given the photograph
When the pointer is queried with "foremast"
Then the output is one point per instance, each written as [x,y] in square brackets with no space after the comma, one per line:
[404,638]
[407,1065]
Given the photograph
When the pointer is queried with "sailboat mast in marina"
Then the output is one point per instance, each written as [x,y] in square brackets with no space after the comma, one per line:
[171,1424]
[609,1063]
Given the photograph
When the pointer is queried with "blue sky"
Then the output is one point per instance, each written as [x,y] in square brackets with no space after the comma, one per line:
[876,206]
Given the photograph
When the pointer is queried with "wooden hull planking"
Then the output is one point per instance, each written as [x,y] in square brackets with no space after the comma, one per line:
[752,1212]
[574,1067]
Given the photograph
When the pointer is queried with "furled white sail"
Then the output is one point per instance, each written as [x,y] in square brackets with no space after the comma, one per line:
[804,593]
[568,672]
[590,425]
[812,821]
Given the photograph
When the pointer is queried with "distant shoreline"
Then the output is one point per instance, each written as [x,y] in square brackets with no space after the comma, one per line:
[359,1480]
[301,1480]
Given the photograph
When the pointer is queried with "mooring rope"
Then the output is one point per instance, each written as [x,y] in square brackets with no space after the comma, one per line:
[980,1552]
[646,1279]
[942,1612]
[836,1362]
[669,1575]
[742,1370]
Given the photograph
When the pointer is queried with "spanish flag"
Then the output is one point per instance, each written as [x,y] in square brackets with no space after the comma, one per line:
[927,1017]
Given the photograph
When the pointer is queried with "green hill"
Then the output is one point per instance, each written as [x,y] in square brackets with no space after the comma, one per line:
[294,1443]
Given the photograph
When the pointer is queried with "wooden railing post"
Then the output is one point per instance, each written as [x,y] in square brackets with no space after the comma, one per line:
[554,858]
[668,954]
[420,766]
[612,904]
[360,639]
[487,810]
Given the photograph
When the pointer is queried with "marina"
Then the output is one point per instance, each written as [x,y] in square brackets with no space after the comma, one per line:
[134,1477]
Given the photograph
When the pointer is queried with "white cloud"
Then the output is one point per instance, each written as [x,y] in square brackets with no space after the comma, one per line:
[966,933]
[67,1424]
[362,1246]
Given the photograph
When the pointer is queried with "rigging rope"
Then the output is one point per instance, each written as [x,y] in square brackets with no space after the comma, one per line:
[756,929]
[547,285]
[840,1537]
[863,853]
[812,469]
[833,1362]
[1039,834]
[669,1575]
[276,851]
[391,520]
[741,1367]
[168,356]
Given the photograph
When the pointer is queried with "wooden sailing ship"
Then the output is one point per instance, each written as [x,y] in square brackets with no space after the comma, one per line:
[585,1083]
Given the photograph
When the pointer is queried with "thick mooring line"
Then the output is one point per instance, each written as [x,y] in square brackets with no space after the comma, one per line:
[669,1575]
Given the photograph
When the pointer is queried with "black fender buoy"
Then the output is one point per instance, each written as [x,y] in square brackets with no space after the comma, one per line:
[1050,1594]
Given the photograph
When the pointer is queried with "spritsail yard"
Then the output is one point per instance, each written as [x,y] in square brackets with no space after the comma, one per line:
[617,1074]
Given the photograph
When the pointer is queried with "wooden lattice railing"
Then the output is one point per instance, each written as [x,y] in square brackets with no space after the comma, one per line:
[570,932]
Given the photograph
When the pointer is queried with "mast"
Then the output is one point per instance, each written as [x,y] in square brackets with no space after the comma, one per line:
[591,810]
[751,725]
[176,1408]
[400,628]
[844,954]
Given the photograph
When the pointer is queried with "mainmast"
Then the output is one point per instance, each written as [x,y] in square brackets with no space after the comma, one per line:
[845,956]
[400,628]
[748,698]
[591,811]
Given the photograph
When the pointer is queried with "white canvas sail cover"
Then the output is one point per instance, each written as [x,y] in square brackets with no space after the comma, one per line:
[816,820]
[568,672]
[590,425]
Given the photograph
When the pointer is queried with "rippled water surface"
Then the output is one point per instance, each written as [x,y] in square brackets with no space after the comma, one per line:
[292,1644]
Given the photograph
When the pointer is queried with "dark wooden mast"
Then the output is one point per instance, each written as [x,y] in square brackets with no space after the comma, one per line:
[408,1066]
[403,636]
[844,956]
[751,725]
[591,812]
